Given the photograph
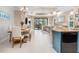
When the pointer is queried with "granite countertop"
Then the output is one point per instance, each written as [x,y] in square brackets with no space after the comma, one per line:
[64,29]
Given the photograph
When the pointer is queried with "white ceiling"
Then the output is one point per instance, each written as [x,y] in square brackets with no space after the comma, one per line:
[32,8]
[65,8]
[45,9]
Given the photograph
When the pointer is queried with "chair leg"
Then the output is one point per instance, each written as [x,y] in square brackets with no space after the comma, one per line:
[20,43]
[13,43]
[10,38]
[30,37]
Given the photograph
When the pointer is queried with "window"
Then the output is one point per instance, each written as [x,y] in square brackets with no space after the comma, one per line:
[40,22]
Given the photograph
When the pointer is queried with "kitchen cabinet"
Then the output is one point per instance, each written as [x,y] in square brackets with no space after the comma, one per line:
[66,42]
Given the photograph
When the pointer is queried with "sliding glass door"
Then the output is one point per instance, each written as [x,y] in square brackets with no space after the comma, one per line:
[40,22]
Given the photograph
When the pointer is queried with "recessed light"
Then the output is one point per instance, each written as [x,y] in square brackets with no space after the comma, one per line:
[59,13]
[54,13]
[71,13]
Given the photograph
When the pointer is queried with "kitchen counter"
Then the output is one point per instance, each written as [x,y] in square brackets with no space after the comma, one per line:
[58,35]
[64,29]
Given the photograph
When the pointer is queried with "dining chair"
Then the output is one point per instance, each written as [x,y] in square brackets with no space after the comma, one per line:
[24,26]
[26,32]
[16,36]
[28,35]
[46,28]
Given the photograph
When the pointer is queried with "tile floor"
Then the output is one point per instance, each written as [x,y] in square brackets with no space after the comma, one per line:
[41,42]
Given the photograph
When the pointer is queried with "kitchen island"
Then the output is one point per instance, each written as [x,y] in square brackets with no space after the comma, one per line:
[65,40]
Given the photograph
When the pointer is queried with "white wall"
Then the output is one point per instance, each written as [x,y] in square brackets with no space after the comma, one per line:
[5,23]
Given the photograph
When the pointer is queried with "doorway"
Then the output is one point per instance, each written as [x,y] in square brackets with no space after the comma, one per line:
[40,22]
[69,42]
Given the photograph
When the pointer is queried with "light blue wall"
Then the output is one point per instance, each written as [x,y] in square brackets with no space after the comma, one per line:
[57,41]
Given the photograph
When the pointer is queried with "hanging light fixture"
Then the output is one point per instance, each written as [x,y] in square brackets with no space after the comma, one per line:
[59,13]
[24,9]
[54,13]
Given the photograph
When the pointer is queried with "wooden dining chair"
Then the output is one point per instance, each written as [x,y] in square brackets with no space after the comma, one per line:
[27,35]
[16,36]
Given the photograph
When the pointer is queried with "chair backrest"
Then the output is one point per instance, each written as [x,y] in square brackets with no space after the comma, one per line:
[24,26]
[16,31]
